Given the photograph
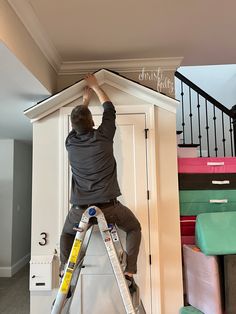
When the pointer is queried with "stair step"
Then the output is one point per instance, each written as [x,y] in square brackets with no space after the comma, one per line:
[178,137]
[188,145]
[187,150]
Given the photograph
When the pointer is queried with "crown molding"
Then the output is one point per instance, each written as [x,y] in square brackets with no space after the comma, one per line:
[25,12]
[121,66]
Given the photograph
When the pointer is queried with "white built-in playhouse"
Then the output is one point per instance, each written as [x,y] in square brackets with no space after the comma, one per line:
[146,154]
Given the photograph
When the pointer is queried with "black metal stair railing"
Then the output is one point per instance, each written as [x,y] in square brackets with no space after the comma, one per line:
[205,121]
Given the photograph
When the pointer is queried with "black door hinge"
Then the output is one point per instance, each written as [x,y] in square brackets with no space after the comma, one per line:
[150,259]
[148,194]
[146,132]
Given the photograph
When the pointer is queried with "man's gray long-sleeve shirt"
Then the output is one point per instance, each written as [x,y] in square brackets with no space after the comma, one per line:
[93,166]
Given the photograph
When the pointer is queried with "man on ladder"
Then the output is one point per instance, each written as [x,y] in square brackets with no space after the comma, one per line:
[94,177]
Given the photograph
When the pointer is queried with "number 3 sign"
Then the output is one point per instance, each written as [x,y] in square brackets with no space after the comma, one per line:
[44,238]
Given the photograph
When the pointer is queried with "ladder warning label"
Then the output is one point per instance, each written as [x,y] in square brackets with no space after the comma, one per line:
[66,282]
[75,251]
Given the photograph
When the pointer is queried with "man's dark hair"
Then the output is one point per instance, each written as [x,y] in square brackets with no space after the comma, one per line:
[81,119]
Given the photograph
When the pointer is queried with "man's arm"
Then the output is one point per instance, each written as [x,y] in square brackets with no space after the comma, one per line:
[107,127]
[87,96]
[93,84]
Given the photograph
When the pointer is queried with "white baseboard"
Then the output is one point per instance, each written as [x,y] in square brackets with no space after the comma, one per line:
[5,271]
[11,270]
[21,263]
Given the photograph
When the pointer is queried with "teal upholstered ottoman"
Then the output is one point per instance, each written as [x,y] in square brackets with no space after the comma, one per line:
[216,233]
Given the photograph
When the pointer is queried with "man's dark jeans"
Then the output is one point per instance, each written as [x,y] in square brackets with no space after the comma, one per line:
[115,213]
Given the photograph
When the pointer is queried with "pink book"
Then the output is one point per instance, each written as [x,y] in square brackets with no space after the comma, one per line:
[188,240]
[207,165]
[187,225]
[202,280]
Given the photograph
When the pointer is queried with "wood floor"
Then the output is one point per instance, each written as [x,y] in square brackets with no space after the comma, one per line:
[14,293]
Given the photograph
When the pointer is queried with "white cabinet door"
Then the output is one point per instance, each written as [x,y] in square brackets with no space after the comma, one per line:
[97,291]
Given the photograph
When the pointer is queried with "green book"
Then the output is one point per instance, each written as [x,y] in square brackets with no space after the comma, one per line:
[189,310]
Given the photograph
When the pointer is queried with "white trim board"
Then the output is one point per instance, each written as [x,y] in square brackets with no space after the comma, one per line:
[75,91]
[9,271]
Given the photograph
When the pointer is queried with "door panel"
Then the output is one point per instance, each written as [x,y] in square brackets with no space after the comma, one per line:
[97,281]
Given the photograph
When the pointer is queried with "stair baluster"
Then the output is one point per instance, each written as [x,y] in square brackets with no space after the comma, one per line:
[199,125]
[214,121]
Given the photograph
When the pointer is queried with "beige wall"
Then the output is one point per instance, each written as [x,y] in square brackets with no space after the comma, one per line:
[18,40]
[149,78]
[162,81]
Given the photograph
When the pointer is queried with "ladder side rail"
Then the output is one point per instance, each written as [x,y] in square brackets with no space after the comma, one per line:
[118,246]
[77,269]
[137,303]
[70,266]
[119,275]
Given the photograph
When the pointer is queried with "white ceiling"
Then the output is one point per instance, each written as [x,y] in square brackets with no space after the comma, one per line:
[202,32]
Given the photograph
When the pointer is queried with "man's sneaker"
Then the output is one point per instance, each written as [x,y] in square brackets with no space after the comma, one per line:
[131,284]
[69,294]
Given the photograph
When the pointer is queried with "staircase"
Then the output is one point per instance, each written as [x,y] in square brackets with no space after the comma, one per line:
[206,128]
[207,189]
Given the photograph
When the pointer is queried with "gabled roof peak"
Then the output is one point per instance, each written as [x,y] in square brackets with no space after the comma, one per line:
[103,76]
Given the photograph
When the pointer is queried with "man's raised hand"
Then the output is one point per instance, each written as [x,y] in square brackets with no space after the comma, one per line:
[91,81]
[93,84]
[87,95]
